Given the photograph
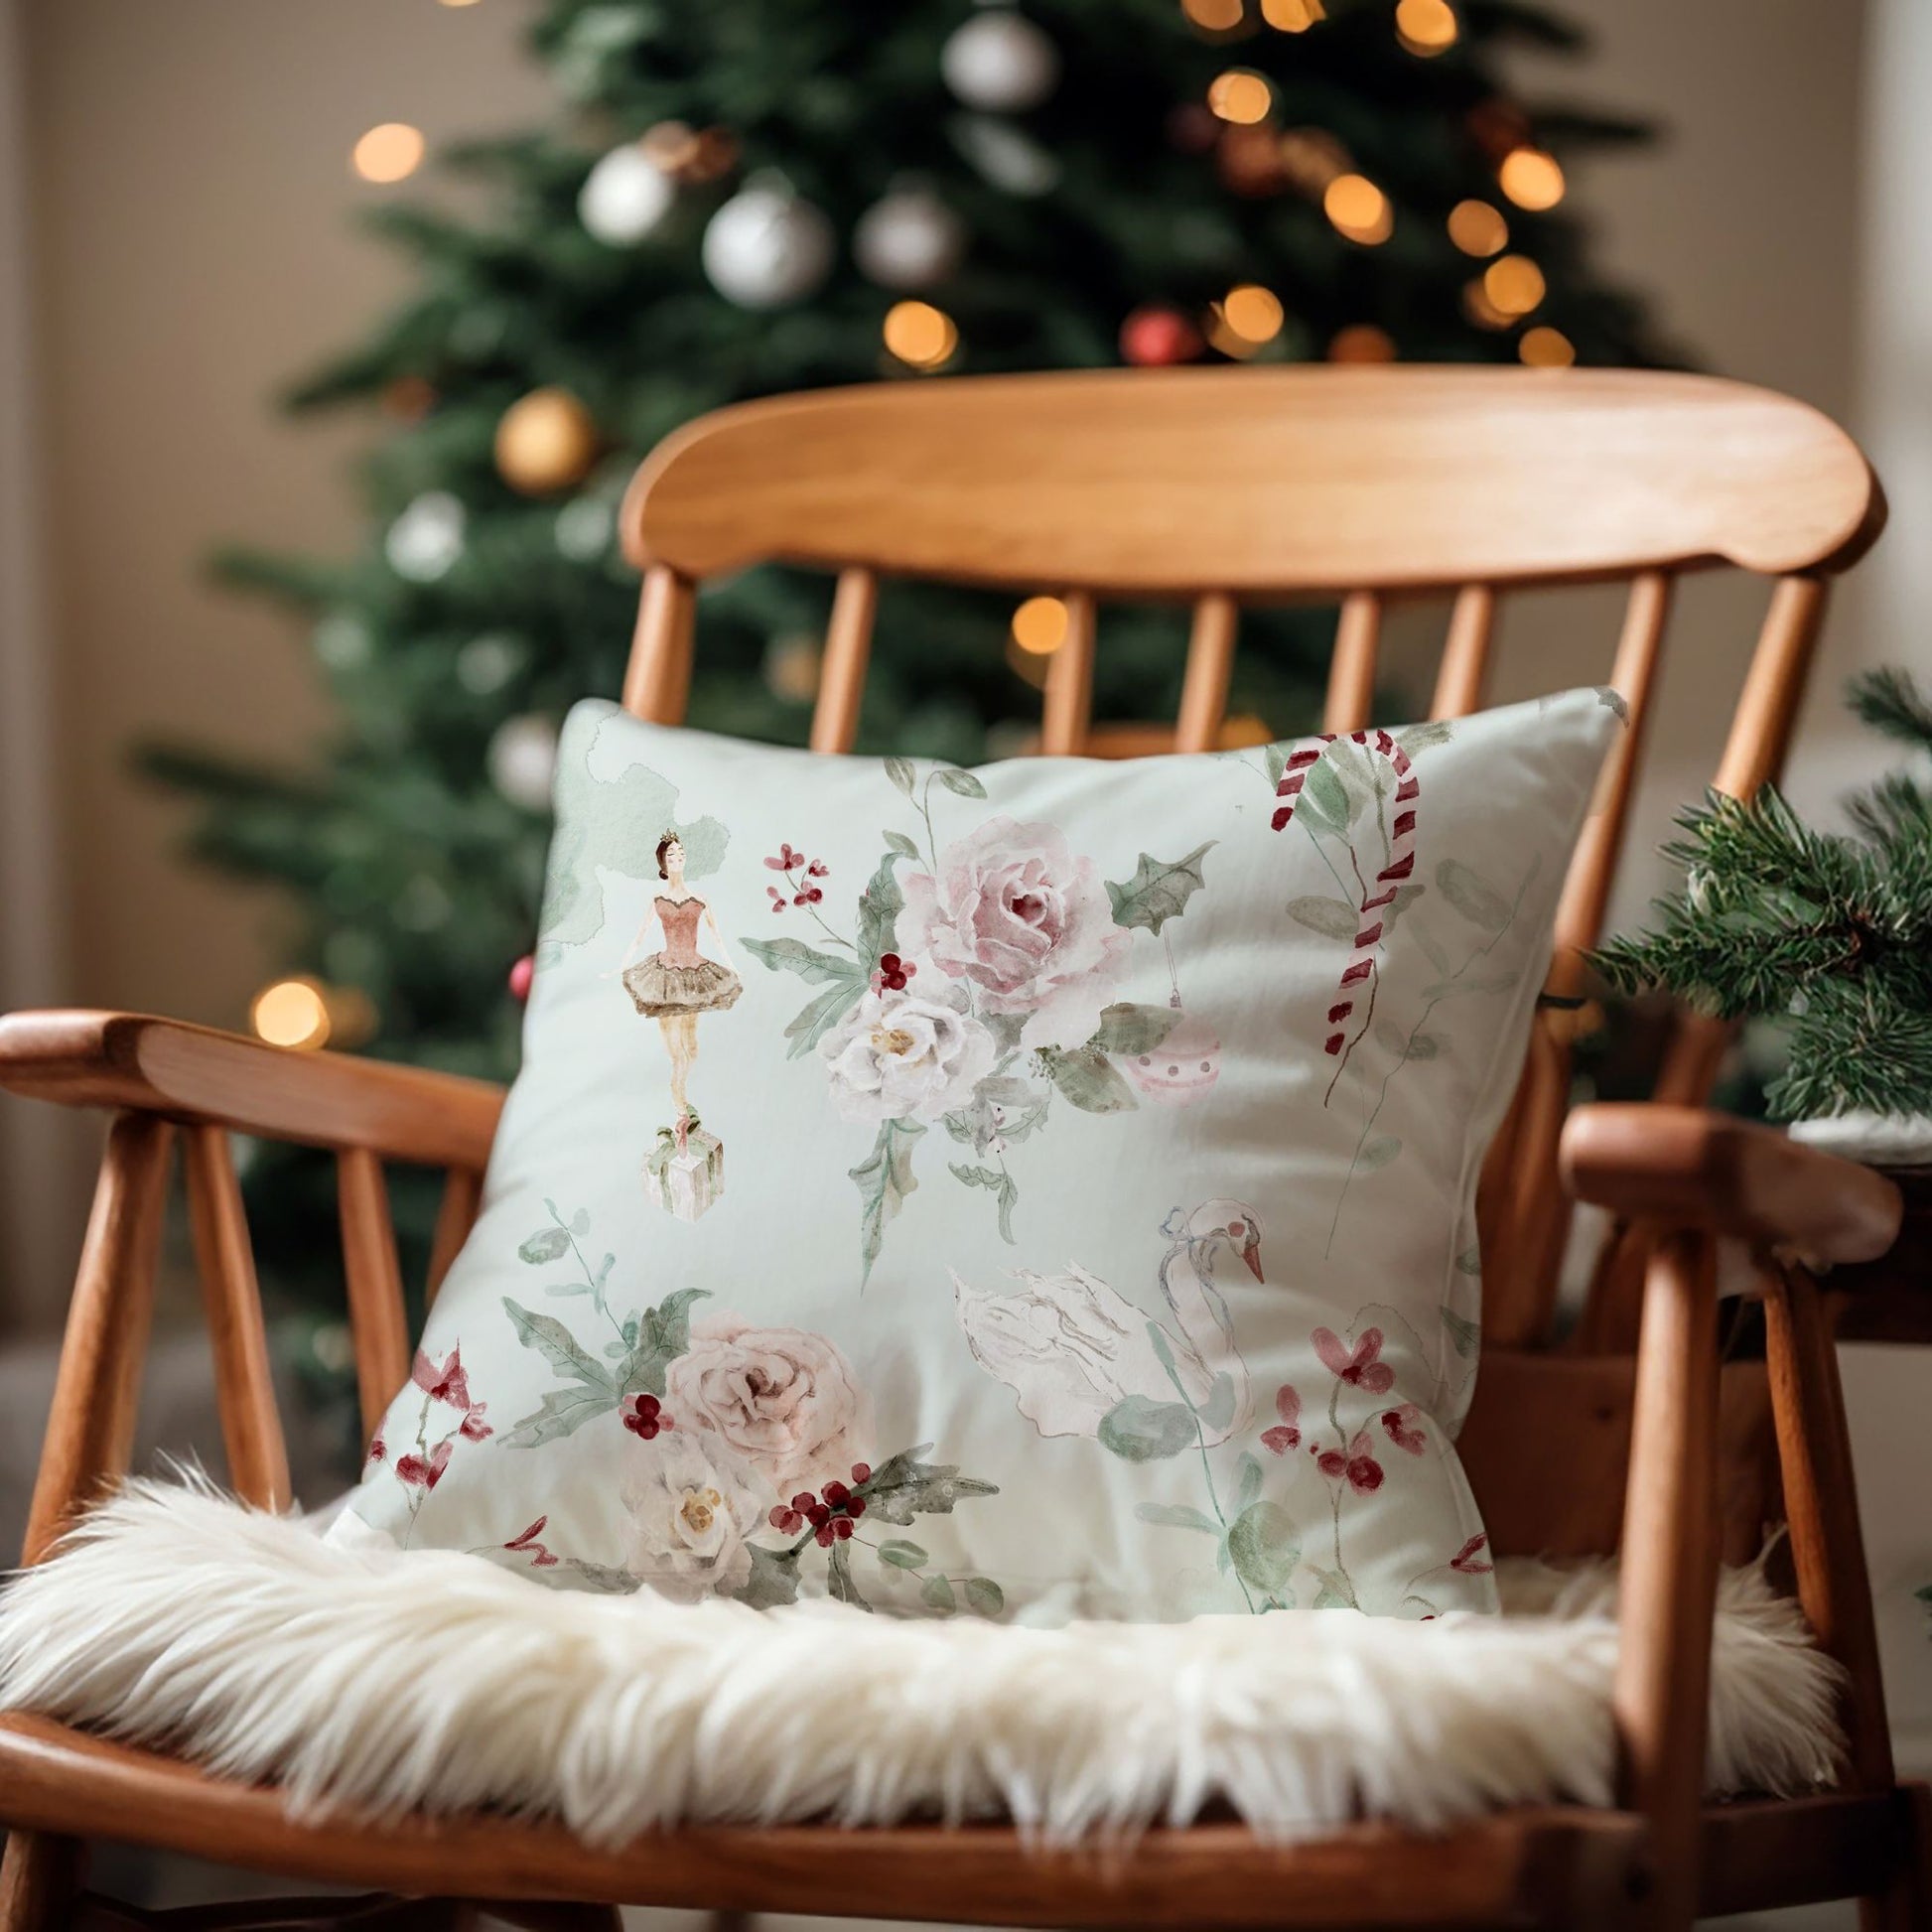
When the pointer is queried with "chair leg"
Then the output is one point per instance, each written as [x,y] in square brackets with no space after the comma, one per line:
[39,1881]
[1666,1601]
[1905,1905]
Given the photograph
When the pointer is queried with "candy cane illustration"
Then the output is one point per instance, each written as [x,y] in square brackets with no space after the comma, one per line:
[1376,893]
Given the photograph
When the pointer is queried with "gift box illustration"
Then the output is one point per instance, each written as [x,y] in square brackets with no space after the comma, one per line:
[685,1168]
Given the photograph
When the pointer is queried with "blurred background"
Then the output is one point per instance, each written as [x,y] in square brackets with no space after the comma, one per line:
[182,244]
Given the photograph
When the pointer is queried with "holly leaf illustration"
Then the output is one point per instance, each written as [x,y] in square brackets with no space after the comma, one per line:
[811,966]
[1127,1027]
[1089,1079]
[1138,1429]
[1264,1546]
[1333,918]
[905,1487]
[883,1180]
[1159,890]
[773,1580]
[839,1582]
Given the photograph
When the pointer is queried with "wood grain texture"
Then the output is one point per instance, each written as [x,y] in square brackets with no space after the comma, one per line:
[375,1305]
[1465,668]
[97,1392]
[39,1877]
[848,650]
[1288,479]
[1562,1868]
[657,680]
[245,1384]
[1069,683]
[456,1215]
[1668,1590]
[1685,1168]
[1351,669]
[137,1062]
[1211,665]
[1821,1504]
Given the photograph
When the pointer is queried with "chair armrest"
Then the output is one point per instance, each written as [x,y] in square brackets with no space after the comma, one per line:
[134,1061]
[1689,1167]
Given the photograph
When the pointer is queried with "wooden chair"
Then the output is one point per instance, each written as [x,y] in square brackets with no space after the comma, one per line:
[1366,486]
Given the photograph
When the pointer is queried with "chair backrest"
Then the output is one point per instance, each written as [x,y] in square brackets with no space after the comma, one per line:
[1350,485]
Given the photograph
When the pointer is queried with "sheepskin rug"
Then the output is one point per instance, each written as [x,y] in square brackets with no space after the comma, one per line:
[435,1680]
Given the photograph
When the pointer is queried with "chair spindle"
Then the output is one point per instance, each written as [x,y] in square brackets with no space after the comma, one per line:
[244,1386]
[1070,682]
[657,680]
[374,1277]
[1466,653]
[456,1215]
[1210,666]
[89,1440]
[1351,670]
[842,676]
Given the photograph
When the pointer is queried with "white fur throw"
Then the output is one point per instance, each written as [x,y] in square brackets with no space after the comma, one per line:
[435,1680]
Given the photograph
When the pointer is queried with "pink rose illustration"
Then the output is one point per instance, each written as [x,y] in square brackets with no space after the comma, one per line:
[785,1401]
[1027,923]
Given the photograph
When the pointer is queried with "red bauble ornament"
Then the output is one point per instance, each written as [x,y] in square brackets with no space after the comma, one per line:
[521,974]
[1158,338]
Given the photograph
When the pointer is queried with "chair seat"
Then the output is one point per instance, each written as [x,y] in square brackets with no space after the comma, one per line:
[1566,1867]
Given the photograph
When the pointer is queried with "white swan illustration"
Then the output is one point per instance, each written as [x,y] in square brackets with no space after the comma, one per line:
[1071,1348]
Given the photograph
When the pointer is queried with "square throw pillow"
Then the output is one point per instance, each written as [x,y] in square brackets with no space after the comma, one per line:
[1043,1191]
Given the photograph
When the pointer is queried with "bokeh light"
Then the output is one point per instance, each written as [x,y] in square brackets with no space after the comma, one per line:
[1241,96]
[1358,209]
[1361,342]
[1514,284]
[920,336]
[1039,626]
[1545,347]
[1214,16]
[1531,178]
[1252,311]
[389,152]
[1477,228]
[291,1013]
[1292,16]
[1426,27]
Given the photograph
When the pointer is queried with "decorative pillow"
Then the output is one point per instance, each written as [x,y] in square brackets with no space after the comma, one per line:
[1043,1190]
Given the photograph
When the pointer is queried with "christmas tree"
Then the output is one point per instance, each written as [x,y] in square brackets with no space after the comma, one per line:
[752,196]
[1828,935]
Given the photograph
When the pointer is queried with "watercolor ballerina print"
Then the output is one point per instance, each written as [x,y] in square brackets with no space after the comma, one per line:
[673,986]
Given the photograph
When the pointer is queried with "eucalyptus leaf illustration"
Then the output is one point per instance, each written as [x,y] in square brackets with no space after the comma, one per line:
[961,783]
[937,1594]
[1264,1546]
[1378,1152]
[1249,1478]
[883,1180]
[544,1245]
[1463,1333]
[1333,918]
[815,1019]
[1419,737]
[901,1554]
[811,965]
[1178,1516]
[901,771]
[1159,890]
[984,1597]
[1138,1429]
[1323,790]
[1473,896]
[899,842]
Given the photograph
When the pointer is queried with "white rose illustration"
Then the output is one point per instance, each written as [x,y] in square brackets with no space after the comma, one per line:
[782,1400]
[1028,924]
[899,1053]
[691,1506]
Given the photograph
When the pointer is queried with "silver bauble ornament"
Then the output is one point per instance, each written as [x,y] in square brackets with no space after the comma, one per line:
[766,247]
[427,538]
[1000,63]
[624,196]
[523,759]
[910,239]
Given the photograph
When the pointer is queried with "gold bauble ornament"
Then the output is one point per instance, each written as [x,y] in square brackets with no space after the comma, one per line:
[546,442]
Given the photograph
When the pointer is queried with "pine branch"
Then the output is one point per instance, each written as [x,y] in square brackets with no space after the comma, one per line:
[1889,701]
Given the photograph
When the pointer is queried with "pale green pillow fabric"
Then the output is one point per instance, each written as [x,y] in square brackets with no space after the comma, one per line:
[1043,1191]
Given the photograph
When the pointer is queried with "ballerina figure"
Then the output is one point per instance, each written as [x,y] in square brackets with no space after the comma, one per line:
[677,984]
